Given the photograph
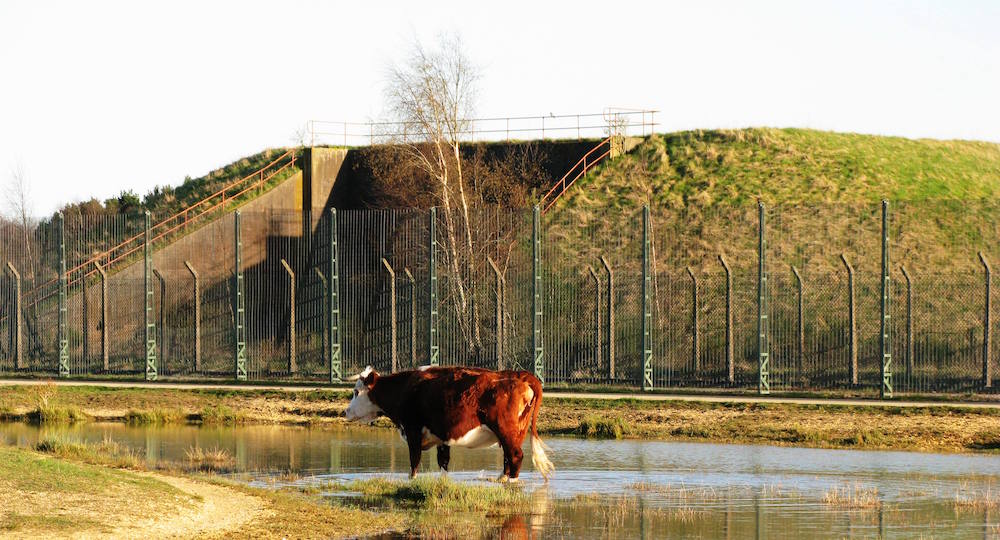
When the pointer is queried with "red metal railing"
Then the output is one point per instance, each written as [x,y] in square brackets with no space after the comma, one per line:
[580,169]
[177,221]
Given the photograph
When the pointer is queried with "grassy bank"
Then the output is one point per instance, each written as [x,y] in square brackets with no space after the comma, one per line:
[64,487]
[937,429]
[73,488]
[931,428]
[42,496]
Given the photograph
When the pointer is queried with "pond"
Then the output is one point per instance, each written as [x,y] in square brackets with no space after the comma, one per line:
[626,488]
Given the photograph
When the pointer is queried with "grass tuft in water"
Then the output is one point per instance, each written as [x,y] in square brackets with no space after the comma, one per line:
[108,452]
[976,500]
[852,496]
[442,494]
[209,459]
[47,414]
[603,427]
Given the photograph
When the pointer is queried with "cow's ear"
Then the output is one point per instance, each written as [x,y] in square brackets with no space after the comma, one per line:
[370,378]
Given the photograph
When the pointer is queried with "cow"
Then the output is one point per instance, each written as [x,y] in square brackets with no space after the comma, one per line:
[456,406]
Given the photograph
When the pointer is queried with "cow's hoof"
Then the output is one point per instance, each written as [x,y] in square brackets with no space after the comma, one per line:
[503,479]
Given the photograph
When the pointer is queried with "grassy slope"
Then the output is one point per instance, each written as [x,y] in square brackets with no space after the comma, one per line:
[787,166]
[822,191]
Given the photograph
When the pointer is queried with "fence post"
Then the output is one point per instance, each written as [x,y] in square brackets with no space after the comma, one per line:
[987,326]
[325,315]
[695,351]
[105,352]
[333,320]
[163,316]
[16,327]
[196,295]
[85,326]
[433,352]
[647,307]
[537,345]
[730,364]
[909,321]
[393,360]
[763,351]
[852,322]
[412,284]
[885,341]
[598,345]
[63,336]
[239,322]
[498,315]
[800,327]
[150,324]
[292,363]
[611,318]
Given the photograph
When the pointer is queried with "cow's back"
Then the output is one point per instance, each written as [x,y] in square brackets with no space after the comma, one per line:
[450,401]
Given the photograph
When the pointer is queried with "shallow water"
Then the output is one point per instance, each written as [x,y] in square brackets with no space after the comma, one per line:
[627,488]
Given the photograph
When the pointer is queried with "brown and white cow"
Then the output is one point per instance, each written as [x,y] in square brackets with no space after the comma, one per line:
[456,406]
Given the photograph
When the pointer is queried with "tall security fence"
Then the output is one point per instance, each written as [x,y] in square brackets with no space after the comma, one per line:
[878,298]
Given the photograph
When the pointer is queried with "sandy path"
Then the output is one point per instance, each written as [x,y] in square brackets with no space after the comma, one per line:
[220,512]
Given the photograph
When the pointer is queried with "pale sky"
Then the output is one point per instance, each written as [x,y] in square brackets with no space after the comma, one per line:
[97,97]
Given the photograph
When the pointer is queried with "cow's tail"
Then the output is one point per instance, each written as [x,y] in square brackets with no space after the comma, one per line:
[538,457]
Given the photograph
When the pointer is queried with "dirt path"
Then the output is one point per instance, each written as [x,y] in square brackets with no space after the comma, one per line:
[221,511]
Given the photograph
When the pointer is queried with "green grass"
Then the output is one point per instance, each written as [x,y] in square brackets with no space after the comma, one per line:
[718,167]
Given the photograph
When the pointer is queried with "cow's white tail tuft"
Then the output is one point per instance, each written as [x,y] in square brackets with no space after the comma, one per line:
[539,458]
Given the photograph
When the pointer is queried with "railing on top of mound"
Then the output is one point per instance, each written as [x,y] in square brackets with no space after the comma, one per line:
[630,122]
[179,221]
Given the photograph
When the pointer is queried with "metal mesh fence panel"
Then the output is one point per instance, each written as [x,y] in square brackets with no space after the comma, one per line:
[475,305]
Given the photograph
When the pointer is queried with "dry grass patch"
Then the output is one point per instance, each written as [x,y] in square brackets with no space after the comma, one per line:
[852,496]
[209,459]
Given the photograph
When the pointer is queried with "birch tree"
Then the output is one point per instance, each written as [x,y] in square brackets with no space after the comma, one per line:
[431,98]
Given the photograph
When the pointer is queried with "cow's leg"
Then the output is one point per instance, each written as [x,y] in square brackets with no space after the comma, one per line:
[414,440]
[516,455]
[506,462]
[512,456]
[444,456]
[510,441]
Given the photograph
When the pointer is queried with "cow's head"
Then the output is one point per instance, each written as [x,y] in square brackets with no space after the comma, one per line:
[362,409]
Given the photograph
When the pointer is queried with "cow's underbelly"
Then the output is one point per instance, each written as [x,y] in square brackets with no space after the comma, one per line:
[477,437]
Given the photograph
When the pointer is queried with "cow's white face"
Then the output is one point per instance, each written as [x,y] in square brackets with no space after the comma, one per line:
[362,409]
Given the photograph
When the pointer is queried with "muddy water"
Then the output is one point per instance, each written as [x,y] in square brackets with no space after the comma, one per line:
[630,489]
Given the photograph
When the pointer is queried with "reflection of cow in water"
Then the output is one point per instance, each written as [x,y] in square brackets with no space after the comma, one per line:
[456,406]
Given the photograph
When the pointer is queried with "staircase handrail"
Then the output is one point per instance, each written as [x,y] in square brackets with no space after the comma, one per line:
[583,165]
